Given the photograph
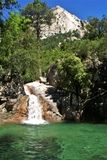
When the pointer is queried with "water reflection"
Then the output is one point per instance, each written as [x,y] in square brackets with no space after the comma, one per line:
[29,147]
[8,151]
[43,149]
[98,157]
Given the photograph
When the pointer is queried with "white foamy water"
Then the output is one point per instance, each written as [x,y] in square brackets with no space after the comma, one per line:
[34,112]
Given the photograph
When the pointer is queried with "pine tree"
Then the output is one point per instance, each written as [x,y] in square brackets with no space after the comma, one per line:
[40,14]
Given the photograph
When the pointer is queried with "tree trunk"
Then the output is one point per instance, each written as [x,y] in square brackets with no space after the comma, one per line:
[38,27]
[77,96]
[70,99]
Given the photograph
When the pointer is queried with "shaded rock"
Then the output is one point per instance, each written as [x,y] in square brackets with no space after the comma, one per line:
[2,108]
[96,107]
[11,87]
[52,75]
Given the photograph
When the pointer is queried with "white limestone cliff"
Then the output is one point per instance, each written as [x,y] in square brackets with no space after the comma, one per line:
[63,22]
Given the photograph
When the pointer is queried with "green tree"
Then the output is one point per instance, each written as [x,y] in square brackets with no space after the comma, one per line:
[5,5]
[13,30]
[17,48]
[96,28]
[40,14]
[72,75]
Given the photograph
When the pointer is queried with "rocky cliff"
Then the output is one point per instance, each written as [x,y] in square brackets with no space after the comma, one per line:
[63,22]
[17,110]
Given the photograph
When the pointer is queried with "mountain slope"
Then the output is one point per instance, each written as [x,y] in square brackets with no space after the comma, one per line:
[62,23]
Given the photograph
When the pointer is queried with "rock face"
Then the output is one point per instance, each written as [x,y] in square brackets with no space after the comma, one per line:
[52,75]
[63,22]
[11,89]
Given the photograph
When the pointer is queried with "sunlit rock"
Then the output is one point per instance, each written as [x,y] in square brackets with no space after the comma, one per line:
[63,22]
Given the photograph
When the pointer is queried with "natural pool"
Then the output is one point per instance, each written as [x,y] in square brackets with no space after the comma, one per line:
[53,142]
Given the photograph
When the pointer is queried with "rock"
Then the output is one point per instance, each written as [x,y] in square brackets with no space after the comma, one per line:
[52,75]
[63,22]
[2,108]
[50,111]
[20,110]
[11,88]
[42,79]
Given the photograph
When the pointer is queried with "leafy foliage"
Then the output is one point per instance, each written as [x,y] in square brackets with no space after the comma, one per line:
[71,72]
[5,5]
[39,13]
[96,28]
[17,50]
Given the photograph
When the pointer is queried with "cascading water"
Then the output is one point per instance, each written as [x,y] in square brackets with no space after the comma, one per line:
[34,111]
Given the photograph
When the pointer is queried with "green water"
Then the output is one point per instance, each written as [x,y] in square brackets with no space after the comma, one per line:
[53,142]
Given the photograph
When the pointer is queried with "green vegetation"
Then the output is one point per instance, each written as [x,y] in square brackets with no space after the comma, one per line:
[73,76]
[40,14]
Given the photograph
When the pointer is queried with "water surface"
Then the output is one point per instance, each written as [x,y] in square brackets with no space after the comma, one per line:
[53,142]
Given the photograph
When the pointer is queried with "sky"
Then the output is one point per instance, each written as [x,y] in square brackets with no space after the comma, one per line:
[81,8]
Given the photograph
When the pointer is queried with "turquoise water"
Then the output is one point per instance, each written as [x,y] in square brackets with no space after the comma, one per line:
[53,142]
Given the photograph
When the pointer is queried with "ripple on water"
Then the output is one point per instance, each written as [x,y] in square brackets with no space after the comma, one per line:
[53,142]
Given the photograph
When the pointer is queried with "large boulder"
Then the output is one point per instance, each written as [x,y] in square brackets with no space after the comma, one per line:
[52,75]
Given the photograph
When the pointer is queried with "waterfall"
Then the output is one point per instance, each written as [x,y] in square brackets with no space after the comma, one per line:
[34,111]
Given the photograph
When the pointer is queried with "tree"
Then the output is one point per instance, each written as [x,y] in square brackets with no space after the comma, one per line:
[5,5]
[17,49]
[14,27]
[96,28]
[72,75]
[40,14]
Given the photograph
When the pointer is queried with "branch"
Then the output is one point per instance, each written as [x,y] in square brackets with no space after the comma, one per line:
[93,98]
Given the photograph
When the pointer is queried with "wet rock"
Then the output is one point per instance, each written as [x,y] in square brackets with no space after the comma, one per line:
[50,110]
